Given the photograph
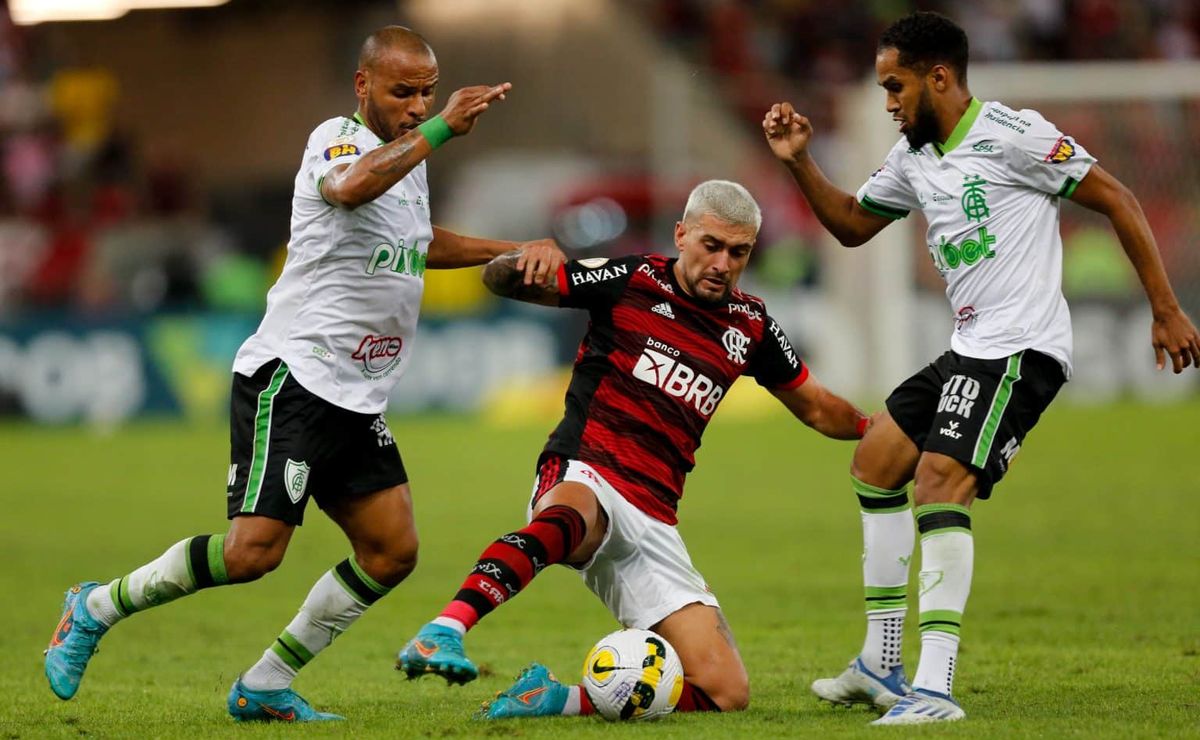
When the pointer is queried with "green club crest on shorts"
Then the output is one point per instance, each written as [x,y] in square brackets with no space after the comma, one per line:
[295,477]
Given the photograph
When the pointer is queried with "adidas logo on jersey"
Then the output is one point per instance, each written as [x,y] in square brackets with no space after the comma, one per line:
[664,309]
[677,379]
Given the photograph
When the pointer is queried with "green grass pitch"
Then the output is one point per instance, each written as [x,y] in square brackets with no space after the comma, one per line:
[1084,618]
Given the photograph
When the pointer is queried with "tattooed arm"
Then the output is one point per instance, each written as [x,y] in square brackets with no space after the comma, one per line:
[506,276]
[350,186]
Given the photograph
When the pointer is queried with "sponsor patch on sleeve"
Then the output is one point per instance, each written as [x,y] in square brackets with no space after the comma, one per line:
[1063,150]
[340,150]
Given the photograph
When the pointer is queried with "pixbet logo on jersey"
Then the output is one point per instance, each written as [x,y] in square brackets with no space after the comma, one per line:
[661,368]
[378,355]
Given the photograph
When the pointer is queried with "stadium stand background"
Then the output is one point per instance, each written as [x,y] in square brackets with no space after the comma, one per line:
[148,161]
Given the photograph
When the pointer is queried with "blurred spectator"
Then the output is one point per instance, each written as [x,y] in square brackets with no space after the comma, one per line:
[90,220]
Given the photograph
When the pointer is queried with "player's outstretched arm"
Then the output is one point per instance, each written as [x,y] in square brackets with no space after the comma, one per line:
[1172,332]
[448,250]
[824,410]
[377,171]
[509,276]
[788,134]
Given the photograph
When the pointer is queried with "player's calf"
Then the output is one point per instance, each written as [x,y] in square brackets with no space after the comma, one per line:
[502,571]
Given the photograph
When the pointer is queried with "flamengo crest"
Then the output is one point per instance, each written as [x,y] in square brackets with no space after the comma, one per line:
[736,344]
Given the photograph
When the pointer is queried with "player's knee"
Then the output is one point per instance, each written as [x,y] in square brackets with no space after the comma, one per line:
[251,561]
[733,695]
[729,689]
[872,469]
[937,478]
[391,564]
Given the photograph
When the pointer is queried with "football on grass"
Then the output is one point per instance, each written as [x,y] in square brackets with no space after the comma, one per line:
[633,674]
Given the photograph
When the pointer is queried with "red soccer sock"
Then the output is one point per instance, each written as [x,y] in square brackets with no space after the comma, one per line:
[511,562]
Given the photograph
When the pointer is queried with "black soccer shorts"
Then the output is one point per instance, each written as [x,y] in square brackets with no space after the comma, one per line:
[287,444]
[976,411]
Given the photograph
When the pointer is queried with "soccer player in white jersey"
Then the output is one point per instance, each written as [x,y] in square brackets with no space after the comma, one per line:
[989,180]
[311,385]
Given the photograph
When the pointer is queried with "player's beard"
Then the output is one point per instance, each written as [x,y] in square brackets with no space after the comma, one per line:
[707,296]
[379,123]
[924,128]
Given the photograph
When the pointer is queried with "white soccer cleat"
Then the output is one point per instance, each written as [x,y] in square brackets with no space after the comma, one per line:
[858,685]
[920,707]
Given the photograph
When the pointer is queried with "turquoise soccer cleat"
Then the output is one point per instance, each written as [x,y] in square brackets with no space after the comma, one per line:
[73,642]
[280,705]
[536,693]
[922,706]
[438,650]
[858,685]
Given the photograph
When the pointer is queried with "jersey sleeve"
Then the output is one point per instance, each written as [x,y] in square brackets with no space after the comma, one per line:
[888,192]
[1046,159]
[593,283]
[336,142]
[775,364]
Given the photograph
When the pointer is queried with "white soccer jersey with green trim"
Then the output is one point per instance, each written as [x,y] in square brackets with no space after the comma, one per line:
[343,314]
[991,196]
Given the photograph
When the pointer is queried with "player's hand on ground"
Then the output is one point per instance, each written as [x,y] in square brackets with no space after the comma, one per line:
[465,105]
[787,131]
[1174,334]
[539,261]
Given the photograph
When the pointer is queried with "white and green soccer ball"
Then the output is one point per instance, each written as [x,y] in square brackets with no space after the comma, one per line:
[633,674]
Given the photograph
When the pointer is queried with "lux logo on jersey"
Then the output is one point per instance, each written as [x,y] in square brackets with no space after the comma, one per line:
[677,379]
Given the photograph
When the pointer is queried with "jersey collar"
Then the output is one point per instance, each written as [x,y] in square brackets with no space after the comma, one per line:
[358,117]
[960,131]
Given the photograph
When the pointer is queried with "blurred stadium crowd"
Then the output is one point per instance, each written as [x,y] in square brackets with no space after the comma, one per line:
[92,221]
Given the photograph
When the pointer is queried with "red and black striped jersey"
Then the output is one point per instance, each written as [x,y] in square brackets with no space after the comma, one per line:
[652,369]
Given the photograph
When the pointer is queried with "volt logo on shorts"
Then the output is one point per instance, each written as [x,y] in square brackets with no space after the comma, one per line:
[677,379]
[958,396]
[378,355]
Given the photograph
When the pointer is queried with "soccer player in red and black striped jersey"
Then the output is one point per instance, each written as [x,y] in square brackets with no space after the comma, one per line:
[668,337]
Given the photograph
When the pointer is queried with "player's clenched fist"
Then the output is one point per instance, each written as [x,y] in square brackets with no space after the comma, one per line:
[787,131]
[465,105]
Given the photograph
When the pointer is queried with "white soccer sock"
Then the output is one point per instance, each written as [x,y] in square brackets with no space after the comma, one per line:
[939,652]
[452,623]
[888,540]
[947,562]
[574,705]
[337,599]
[881,648]
[186,567]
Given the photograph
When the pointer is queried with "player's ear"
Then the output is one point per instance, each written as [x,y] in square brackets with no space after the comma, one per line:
[360,83]
[939,77]
[680,233]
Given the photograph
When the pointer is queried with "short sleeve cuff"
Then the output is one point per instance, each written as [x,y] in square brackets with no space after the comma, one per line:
[881,209]
[563,290]
[797,381]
